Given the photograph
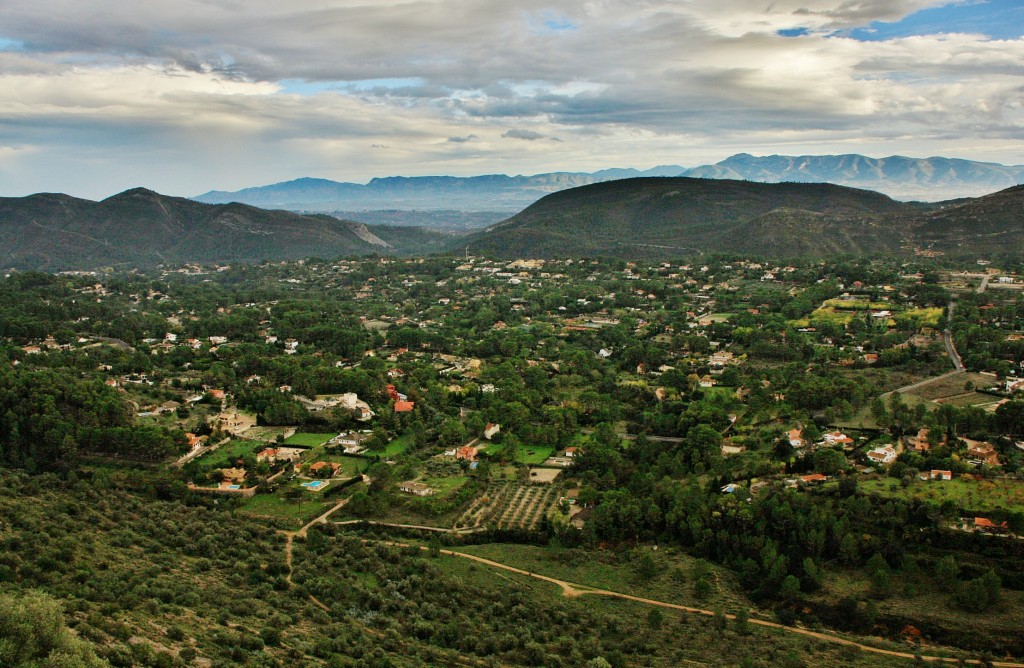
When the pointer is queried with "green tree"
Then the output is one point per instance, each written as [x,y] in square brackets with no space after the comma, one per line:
[33,634]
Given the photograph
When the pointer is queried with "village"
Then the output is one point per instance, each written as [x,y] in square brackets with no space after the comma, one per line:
[445,367]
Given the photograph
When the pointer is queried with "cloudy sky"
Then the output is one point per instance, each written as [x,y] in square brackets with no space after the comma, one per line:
[97,96]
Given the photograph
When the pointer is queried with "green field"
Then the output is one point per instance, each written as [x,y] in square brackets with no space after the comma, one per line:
[856,305]
[274,505]
[399,445]
[925,317]
[235,448]
[444,487]
[533,454]
[350,466]
[976,495]
[308,440]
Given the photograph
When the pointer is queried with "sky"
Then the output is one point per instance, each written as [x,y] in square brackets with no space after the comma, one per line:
[97,96]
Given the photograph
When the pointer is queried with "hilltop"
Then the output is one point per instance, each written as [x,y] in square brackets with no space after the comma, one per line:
[142,228]
[680,216]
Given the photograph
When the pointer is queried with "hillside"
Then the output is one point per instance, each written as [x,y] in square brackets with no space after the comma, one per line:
[142,228]
[929,179]
[991,223]
[677,216]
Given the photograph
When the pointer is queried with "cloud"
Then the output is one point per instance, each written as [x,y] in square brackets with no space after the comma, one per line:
[221,90]
[528,135]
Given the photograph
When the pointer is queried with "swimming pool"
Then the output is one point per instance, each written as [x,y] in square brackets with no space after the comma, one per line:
[314,485]
[234,487]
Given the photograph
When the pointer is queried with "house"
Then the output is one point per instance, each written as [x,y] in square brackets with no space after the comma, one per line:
[266,455]
[491,430]
[981,452]
[883,455]
[838,438]
[940,475]
[707,381]
[235,475]
[323,466]
[796,438]
[720,359]
[814,478]
[404,406]
[920,442]
[466,452]
[573,451]
[988,526]
[416,488]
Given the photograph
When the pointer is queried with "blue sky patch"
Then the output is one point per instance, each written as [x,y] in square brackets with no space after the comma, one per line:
[999,19]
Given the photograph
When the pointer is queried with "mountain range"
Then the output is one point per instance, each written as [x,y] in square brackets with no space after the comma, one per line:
[142,228]
[926,179]
[649,217]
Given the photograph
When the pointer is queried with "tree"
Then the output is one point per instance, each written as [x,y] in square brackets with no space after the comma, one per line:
[743,621]
[947,570]
[829,461]
[646,567]
[33,633]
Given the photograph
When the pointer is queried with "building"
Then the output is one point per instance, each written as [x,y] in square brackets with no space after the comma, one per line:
[883,455]
[416,488]
[838,438]
[982,452]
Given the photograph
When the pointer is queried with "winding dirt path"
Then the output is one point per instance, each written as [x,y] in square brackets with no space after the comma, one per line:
[301,533]
[573,589]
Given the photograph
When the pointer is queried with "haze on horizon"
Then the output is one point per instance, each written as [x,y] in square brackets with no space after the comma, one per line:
[97,96]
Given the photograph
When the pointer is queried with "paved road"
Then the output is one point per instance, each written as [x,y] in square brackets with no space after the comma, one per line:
[947,339]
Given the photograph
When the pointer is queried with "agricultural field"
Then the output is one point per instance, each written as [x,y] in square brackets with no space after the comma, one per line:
[508,505]
[924,317]
[973,495]
[299,510]
[308,440]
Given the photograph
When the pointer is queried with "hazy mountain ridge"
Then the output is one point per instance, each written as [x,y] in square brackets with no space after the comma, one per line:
[475,193]
[927,179]
[930,179]
[141,228]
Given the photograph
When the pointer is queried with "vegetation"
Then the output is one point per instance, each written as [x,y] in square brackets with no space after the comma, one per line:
[694,435]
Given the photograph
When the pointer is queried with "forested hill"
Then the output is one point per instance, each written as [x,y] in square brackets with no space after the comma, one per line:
[679,216]
[142,228]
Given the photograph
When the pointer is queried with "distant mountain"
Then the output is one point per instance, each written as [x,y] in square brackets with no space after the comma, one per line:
[142,228]
[494,192]
[927,179]
[673,217]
